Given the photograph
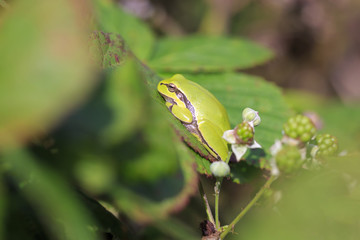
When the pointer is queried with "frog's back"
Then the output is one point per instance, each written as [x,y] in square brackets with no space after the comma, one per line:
[211,109]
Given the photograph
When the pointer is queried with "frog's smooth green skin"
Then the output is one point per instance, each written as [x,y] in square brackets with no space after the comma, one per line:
[199,111]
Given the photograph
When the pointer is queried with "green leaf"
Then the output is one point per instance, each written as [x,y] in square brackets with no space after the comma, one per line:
[108,49]
[111,18]
[106,222]
[154,202]
[324,202]
[126,96]
[151,156]
[44,67]
[154,173]
[148,176]
[203,164]
[341,121]
[206,54]
[56,204]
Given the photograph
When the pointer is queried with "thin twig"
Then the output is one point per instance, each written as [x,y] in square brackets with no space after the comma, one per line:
[206,203]
[217,195]
[248,207]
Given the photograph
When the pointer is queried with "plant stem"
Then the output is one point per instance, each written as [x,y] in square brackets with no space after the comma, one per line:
[206,203]
[248,207]
[217,195]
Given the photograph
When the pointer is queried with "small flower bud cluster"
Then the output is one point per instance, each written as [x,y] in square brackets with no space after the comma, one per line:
[250,115]
[244,132]
[241,137]
[300,127]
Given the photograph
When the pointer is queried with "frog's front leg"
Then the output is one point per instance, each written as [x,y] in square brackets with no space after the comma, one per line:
[212,134]
[181,113]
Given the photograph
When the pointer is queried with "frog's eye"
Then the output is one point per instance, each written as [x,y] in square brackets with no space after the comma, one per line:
[171,87]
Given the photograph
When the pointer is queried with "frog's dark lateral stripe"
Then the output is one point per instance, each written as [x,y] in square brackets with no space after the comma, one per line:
[193,126]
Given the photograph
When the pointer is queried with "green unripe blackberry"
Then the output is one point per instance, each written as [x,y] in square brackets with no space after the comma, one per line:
[288,159]
[300,127]
[244,133]
[327,144]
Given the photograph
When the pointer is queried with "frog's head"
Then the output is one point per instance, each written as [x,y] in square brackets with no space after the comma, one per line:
[170,89]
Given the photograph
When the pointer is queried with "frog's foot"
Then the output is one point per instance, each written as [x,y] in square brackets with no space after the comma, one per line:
[181,113]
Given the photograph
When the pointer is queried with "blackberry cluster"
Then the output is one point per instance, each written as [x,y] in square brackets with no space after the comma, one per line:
[245,133]
[327,144]
[288,159]
[300,127]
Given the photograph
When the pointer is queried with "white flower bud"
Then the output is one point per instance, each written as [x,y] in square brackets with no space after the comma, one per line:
[248,114]
[257,120]
[219,169]
[252,116]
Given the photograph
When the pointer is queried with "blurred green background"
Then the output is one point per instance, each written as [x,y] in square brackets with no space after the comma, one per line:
[89,151]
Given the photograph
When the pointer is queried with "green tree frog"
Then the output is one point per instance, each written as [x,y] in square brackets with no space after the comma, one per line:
[199,111]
